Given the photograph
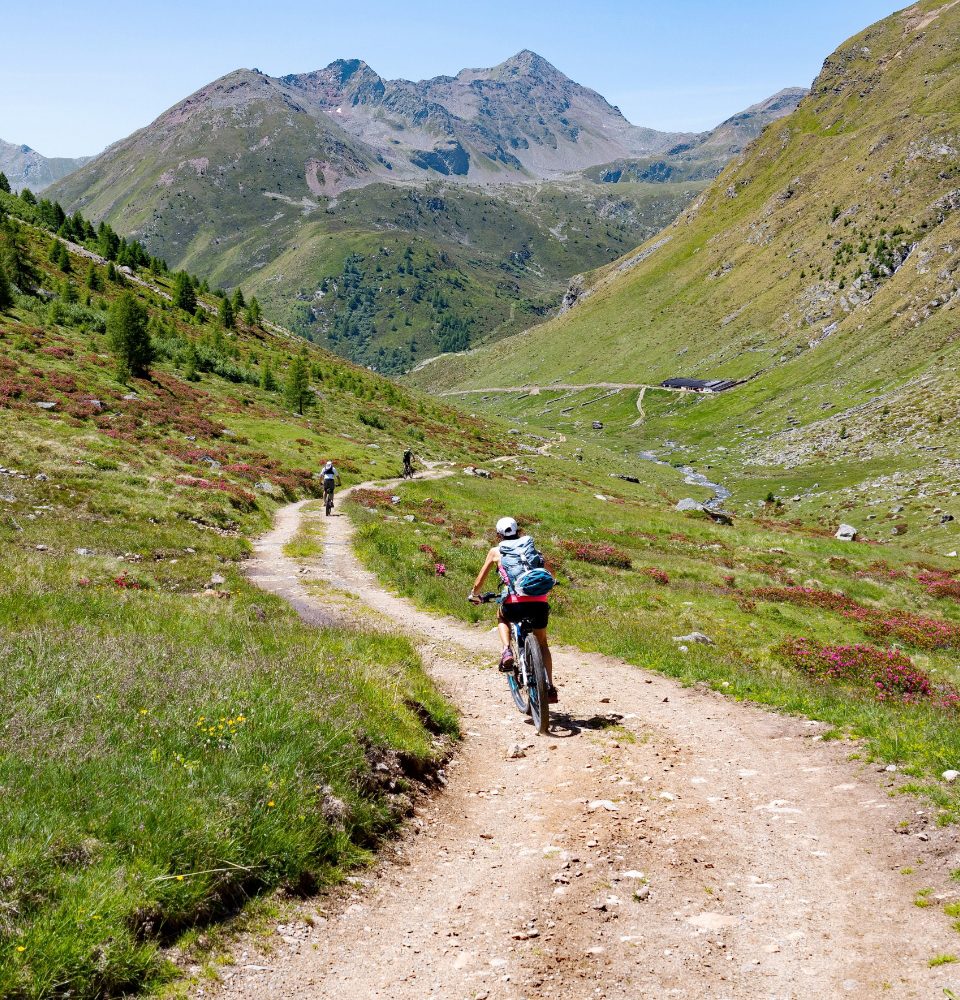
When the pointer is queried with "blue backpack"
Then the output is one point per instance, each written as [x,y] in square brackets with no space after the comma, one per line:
[522,568]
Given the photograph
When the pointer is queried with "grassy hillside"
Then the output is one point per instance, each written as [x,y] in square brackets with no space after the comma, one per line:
[174,740]
[821,267]
[499,260]
[862,636]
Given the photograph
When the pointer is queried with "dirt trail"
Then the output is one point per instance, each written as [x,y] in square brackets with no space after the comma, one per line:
[662,842]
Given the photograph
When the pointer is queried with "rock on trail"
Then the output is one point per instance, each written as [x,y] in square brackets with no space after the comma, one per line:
[674,844]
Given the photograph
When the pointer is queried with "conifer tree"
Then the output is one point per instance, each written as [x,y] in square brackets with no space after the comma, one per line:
[107,242]
[296,391]
[6,291]
[267,381]
[226,313]
[238,302]
[28,196]
[67,292]
[191,364]
[128,336]
[184,297]
[253,315]
[14,259]
[4,183]
[93,281]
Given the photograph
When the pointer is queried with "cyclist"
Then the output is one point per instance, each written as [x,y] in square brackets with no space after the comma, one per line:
[515,607]
[408,457]
[330,478]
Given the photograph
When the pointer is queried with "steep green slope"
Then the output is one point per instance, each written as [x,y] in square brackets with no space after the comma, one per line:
[174,740]
[275,183]
[822,266]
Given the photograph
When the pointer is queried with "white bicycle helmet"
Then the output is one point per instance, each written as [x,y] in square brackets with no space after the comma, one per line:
[507,527]
[329,465]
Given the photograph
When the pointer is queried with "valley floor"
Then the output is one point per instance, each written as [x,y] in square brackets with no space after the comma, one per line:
[662,841]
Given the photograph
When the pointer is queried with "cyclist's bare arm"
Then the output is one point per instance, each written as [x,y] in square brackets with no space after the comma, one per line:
[493,558]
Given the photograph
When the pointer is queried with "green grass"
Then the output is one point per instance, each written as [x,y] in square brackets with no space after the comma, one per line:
[176,742]
[941,960]
[712,572]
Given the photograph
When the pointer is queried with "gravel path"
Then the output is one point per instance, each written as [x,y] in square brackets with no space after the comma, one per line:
[661,842]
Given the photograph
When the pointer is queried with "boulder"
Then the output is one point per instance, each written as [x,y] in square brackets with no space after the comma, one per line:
[720,516]
[688,503]
[704,640]
[46,405]
[846,533]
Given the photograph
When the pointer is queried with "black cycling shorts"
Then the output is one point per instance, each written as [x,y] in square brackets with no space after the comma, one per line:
[536,613]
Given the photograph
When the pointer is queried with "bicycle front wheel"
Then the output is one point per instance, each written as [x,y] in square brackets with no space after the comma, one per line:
[537,680]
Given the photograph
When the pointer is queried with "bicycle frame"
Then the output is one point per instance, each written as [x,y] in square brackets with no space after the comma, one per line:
[527,695]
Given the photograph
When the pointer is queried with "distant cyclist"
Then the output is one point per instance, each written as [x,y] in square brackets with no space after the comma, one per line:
[514,552]
[408,458]
[331,478]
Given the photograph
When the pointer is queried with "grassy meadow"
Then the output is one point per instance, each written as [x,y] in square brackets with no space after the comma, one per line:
[175,742]
[633,574]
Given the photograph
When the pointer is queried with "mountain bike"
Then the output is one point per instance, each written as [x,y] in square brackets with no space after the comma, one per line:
[528,679]
[328,501]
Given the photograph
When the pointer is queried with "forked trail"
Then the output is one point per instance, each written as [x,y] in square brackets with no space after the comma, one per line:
[662,842]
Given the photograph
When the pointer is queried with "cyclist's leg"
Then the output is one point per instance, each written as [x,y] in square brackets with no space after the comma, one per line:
[503,628]
[541,634]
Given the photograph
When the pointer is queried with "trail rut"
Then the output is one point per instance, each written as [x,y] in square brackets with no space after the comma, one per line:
[661,842]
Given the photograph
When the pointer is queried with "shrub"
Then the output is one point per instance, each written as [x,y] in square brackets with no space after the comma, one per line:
[657,575]
[939,582]
[598,554]
[915,630]
[888,674]
[378,499]
[807,597]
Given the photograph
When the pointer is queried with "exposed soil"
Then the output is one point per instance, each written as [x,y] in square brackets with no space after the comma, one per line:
[661,842]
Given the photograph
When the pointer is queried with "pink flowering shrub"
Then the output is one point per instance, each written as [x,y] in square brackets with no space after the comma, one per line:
[598,554]
[806,597]
[939,583]
[657,575]
[888,674]
[441,569]
[915,630]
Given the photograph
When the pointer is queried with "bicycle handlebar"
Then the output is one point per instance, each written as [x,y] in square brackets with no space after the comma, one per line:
[488,598]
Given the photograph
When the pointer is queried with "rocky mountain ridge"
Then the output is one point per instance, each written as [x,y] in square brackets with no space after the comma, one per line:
[25,167]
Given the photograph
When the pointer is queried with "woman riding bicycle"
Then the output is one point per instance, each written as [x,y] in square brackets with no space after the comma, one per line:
[514,607]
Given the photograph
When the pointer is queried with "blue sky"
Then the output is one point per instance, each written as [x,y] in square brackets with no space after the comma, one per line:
[77,76]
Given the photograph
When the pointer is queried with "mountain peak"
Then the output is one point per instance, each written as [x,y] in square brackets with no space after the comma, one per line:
[525,63]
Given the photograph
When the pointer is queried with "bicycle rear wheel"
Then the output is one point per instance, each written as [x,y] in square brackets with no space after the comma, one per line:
[537,679]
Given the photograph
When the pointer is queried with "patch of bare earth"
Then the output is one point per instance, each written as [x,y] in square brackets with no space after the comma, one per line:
[661,842]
